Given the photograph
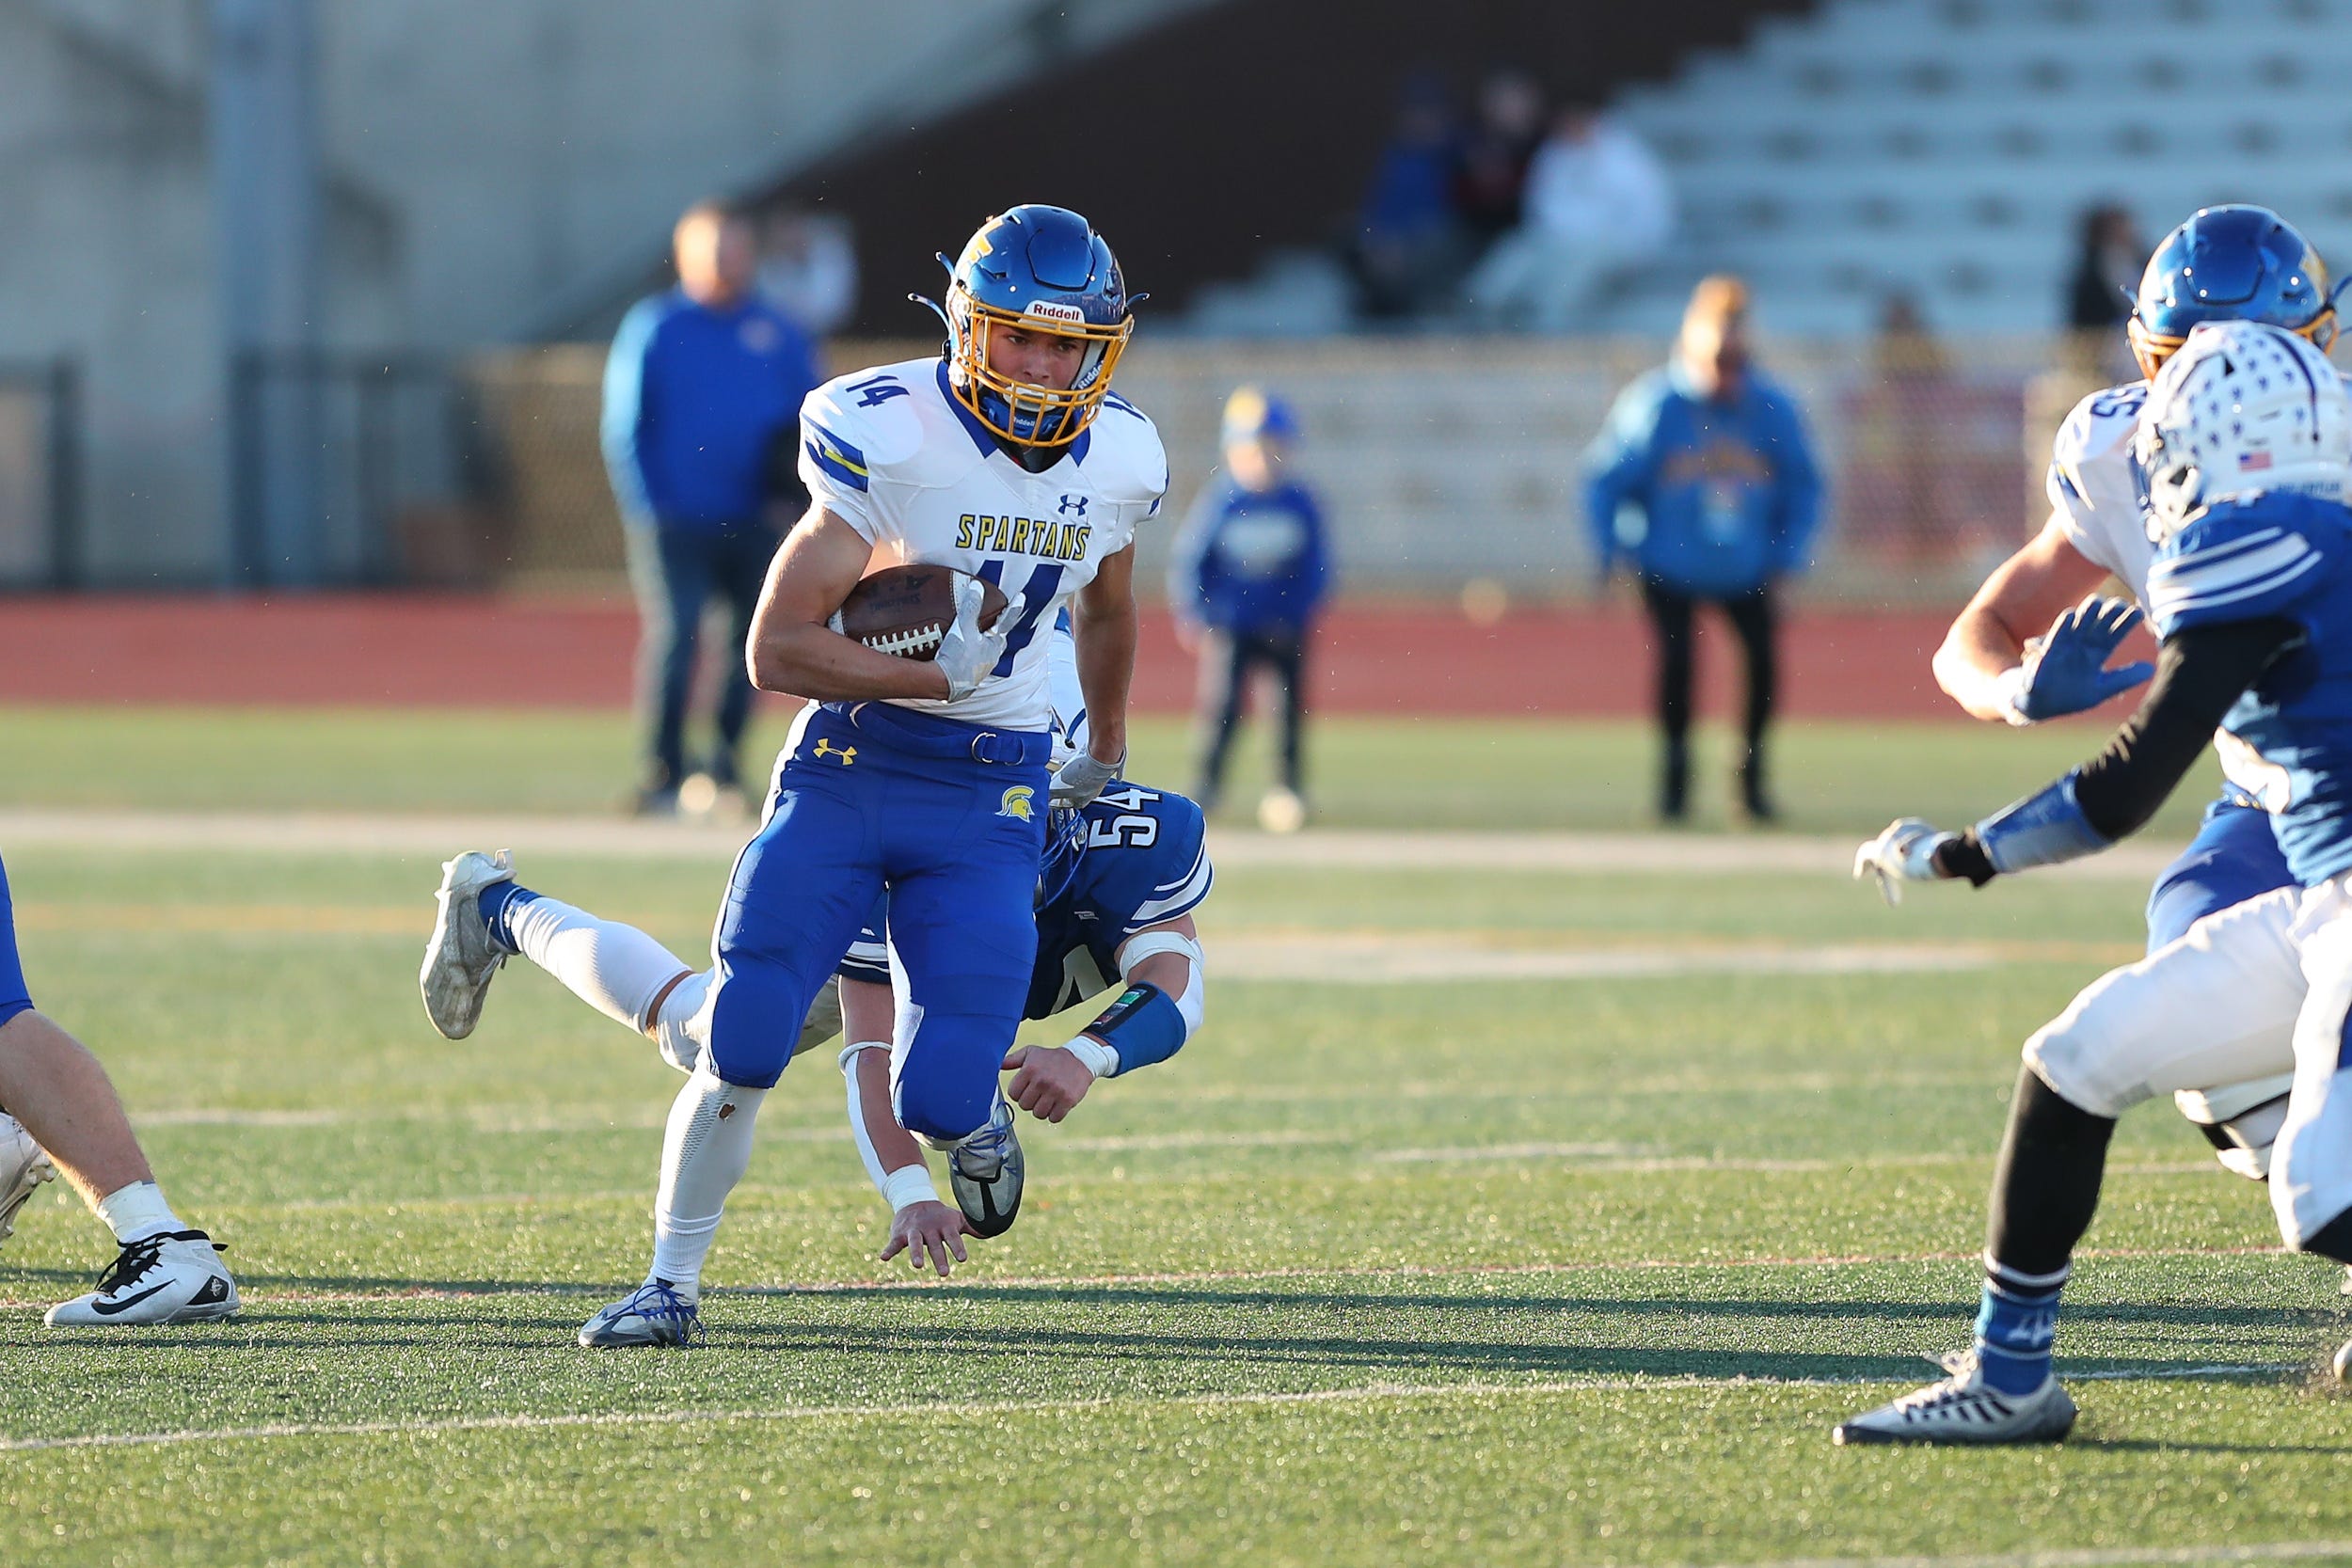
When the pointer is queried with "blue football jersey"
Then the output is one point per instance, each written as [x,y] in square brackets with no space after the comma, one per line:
[1146,862]
[2288,740]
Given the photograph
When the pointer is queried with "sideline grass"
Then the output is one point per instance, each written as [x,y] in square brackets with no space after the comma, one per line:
[1416,773]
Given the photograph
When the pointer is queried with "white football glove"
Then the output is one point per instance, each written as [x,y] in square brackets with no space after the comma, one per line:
[1077,782]
[1905,852]
[966,654]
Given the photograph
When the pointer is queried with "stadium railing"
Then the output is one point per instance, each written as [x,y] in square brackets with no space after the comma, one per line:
[40,466]
[1444,462]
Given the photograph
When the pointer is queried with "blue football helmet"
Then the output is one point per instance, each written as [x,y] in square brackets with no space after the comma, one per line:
[2230,263]
[1042,269]
[1253,414]
[1065,846]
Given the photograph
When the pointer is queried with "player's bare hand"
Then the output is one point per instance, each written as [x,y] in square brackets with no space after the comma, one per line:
[1905,852]
[1047,1081]
[928,1233]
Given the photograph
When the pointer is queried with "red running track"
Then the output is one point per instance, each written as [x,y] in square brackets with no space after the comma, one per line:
[445,650]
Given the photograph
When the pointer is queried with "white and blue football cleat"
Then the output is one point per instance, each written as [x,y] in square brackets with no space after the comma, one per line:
[1963,1408]
[171,1278]
[23,1168]
[653,1314]
[986,1170]
[461,961]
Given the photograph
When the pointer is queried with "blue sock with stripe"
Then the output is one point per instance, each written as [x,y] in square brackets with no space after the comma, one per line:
[497,900]
[2016,1328]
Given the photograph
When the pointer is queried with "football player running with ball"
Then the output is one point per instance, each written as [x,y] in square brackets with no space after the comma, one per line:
[1116,893]
[2224,264]
[2246,446]
[1006,458]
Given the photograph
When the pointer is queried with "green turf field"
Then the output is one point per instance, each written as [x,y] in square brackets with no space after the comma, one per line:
[1497,1272]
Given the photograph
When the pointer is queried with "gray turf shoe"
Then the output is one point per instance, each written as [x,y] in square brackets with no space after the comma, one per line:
[171,1278]
[652,1314]
[461,960]
[985,1170]
[1964,1409]
[22,1167]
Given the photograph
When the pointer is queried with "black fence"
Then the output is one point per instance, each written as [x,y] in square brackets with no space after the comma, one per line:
[41,468]
[355,470]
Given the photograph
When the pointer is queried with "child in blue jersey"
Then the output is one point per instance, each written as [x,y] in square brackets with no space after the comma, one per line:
[1249,575]
[2246,446]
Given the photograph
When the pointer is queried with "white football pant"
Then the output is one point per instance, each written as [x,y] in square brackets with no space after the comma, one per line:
[2262,988]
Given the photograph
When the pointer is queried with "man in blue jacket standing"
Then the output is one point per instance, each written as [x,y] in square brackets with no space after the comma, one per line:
[701,402]
[1703,483]
[1249,573]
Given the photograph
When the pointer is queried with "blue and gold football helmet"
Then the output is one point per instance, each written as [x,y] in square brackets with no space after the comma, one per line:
[2230,263]
[1042,269]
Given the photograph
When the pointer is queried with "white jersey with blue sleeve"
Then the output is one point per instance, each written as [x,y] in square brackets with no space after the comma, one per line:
[891,453]
[2288,739]
[2094,488]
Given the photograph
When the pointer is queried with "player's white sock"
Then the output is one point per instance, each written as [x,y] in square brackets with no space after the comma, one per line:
[615,969]
[137,1212]
[704,1154]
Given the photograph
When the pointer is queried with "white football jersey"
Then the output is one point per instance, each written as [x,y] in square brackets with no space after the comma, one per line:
[891,453]
[2094,489]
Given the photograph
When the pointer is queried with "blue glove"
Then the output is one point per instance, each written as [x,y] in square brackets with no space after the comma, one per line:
[2065,668]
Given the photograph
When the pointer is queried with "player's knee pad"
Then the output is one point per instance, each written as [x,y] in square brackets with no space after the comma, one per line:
[746,1040]
[2086,1058]
[681,1025]
[2241,1122]
[944,1085]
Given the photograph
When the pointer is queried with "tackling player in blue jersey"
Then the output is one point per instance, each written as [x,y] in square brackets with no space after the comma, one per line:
[2025,649]
[1119,881]
[2246,449]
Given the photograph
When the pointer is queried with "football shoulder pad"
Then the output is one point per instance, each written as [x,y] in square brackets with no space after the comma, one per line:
[2243,561]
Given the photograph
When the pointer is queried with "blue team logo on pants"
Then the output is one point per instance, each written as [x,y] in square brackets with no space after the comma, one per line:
[1019,803]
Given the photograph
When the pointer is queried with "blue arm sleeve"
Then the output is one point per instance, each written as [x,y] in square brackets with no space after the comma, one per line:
[1797,505]
[2040,830]
[1619,469]
[622,428]
[1186,554]
[1315,580]
[1144,1026]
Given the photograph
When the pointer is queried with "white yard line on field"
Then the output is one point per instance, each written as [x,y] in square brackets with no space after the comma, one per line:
[439,836]
[997,1407]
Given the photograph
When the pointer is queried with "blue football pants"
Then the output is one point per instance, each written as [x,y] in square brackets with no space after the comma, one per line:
[2233,857]
[955,841]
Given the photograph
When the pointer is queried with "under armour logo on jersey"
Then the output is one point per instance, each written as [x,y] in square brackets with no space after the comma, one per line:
[1076,504]
[847,753]
[1019,803]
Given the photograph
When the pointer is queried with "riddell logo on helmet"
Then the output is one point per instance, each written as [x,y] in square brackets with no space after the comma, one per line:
[1048,310]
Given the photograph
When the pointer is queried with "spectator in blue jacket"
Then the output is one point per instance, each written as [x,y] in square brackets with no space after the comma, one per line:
[1702,481]
[1251,568]
[702,401]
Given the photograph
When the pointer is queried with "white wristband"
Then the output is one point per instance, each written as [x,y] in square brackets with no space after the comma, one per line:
[909,1184]
[2010,690]
[1100,1059]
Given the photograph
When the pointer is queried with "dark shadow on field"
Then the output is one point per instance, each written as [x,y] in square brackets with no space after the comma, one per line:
[2152,1444]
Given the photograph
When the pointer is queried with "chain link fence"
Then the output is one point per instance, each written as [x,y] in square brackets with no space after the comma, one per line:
[1444,463]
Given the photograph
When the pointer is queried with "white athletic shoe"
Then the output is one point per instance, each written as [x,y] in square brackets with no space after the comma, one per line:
[461,960]
[2344,1363]
[22,1167]
[1964,1409]
[171,1278]
[985,1170]
[652,1314]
